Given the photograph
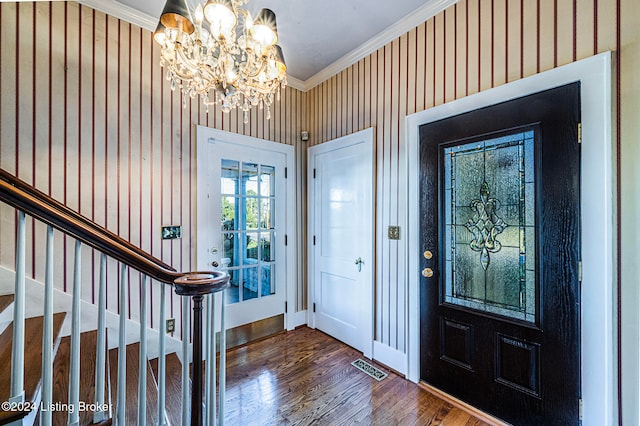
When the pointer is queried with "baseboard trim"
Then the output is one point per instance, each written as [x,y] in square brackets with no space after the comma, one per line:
[462,405]
[296,319]
[390,357]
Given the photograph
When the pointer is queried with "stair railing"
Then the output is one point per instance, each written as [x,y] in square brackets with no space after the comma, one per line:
[197,285]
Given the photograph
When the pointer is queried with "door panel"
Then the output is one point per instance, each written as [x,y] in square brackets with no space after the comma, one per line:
[500,314]
[242,202]
[341,227]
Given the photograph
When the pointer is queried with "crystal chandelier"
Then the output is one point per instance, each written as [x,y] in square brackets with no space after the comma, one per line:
[222,54]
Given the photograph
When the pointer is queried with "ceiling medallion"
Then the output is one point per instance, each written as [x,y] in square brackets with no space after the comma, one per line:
[222,54]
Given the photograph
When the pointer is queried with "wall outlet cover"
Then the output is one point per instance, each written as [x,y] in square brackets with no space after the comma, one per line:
[171,325]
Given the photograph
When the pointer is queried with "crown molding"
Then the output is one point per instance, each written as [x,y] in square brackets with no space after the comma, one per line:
[406,24]
[123,12]
[412,20]
[296,83]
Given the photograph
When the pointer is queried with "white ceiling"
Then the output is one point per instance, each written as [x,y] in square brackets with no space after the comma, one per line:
[318,37]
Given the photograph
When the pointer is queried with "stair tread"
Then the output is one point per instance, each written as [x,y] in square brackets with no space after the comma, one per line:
[5,300]
[88,345]
[32,358]
[133,361]
[173,387]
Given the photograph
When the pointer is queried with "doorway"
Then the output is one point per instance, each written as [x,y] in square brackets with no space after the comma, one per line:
[597,295]
[500,230]
[244,215]
[341,218]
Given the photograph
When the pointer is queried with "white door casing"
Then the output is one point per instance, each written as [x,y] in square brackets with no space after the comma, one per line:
[341,243]
[597,330]
[213,147]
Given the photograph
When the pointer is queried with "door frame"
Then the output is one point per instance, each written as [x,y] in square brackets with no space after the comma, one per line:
[210,135]
[365,138]
[598,263]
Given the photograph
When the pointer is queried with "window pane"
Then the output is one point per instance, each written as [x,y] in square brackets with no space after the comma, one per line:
[267,280]
[232,292]
[250,288]
[267,181]
[489,227]
[266,248]
[230,255]
[229,177]
[251,247]
[266,213]
[249,179]
[229,213]
[251,213]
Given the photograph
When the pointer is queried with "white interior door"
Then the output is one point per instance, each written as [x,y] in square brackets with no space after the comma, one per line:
[242,222]
[341,233]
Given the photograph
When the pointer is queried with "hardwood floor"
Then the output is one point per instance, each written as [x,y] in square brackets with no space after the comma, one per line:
[305,377]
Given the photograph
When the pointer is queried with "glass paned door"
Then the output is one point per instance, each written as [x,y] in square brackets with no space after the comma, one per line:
[243,218]
[247,229]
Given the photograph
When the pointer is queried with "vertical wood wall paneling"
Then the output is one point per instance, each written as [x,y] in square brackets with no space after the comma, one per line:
[94,123]
[514,40]
[41,135]
[472,46]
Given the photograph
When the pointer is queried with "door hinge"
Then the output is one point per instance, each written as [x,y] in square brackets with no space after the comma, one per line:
[314,240]
[314,173]
[286,306]
[580,410]
[314,306]
[580,271]
[579,132]
[286,240]
[285,172]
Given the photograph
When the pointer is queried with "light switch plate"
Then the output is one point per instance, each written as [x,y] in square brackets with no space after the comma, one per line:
[171,232]
[394,232]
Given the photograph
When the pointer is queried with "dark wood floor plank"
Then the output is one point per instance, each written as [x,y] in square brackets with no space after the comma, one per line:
[133,369]
[305,377]
[32,357]
[173,387]
[5,301]
[88,347]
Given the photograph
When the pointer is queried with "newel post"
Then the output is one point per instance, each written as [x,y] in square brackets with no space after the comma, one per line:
[198,285]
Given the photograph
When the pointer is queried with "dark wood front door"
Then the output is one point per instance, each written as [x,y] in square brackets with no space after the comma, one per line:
[500,231]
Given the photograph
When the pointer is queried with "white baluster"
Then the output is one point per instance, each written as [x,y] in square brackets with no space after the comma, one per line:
[142,375]
[223,360]
[74,356]
[17,353]
[101,345]
[121,402]
[211,360]
[186,328]
[47,334]
[162,370]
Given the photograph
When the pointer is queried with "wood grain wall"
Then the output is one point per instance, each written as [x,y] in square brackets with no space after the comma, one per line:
[472,46]
[87,116]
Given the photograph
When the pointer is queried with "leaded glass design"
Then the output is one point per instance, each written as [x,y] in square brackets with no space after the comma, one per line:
[248,228]
[489,235]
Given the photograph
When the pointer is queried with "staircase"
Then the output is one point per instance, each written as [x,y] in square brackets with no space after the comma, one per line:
[88,342]
[52,380]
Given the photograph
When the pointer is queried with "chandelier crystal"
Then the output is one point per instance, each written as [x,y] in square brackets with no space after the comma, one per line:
[222,54]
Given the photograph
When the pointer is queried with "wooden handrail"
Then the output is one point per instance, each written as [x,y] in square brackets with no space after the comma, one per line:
[37,204]
[22,196]
[28,189]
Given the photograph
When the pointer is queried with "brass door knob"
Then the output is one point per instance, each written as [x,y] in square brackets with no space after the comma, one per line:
[427,272]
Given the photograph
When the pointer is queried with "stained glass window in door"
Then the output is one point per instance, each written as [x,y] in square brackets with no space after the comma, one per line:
[489,229]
